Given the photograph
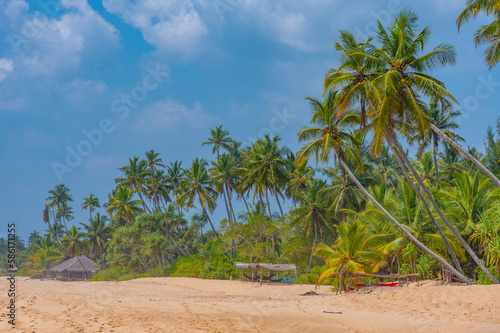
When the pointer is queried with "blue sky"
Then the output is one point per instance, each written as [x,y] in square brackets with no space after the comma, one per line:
[157,74]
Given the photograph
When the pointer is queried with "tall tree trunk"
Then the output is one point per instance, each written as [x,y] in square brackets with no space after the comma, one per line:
[434,153]
[268,204]
[278,201]
[403,229]
[246,204]
[262,207]
[230,203]
[440,212]
[314,245]
[426,206]
[202,246]
[143,202]
[227,207]
[213,228]
[465,153]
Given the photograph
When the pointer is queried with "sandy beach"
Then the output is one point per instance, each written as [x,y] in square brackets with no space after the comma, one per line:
[192,305]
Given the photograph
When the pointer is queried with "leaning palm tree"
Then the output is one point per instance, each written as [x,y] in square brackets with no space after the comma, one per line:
[329,138]
[403,82]
[219,138]
[487,34]
[91,203]
[442,116]
[197,184]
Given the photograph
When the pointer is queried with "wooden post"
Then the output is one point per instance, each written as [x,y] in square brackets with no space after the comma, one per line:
[241,275]
[253,274]
[261,276]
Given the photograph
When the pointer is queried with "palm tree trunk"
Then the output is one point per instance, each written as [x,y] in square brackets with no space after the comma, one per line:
[426,206]
[465,153]
[278,201]
[440,212]
[403,229]
[434,153]
[143,202]
[202,246]
[268,204]
[230,203]
[262,208]
[213,228]
[246,205]
[314,244]
[227,207]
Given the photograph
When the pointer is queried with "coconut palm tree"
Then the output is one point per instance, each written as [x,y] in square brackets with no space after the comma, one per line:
[197,185]
[442,116]
[351,254]
[174,177]
[91,203]
[329,139]
[122,207]
[312,214]
[153,161]
[223,173]
[219,138]
[58,197]
[353,79]
[64,213]
[266,168]
[487,34]
[98,234]
[135,178]
[72,243]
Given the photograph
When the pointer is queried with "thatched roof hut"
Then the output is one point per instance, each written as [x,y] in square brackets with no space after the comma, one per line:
[76,268]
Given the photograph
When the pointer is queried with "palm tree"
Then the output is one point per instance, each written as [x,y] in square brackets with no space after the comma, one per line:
[354,77]
[121,205]
[153,162]
[91,203]
[266,168]
[135,178]
[312,214]
[329,138]
[442,116]
[59,196]
[64,213]
[223,174]
[174,178]
[219,138]
[34,238]
[72,242]
[351,254]
[159,189]
[98,234]
[488,33]
[197,184]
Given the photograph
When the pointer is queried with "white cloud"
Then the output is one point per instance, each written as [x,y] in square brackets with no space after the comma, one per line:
[6,68]
[168,25]
[52,46]
[169,114]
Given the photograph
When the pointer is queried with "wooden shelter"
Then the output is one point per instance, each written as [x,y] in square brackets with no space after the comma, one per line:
[79,268]
[264,267]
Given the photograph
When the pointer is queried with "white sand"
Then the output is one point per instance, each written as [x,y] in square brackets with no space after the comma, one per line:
[192,305]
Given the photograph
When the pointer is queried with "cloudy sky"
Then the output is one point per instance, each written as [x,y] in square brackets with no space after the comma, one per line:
[85,85]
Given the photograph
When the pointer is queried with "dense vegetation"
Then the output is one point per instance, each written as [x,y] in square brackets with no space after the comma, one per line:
[350,200]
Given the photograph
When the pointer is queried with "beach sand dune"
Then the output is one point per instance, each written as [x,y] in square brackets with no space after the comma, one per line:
[193,305]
